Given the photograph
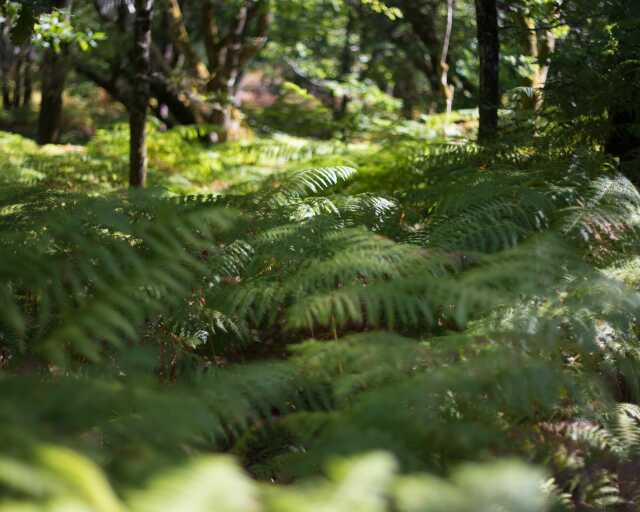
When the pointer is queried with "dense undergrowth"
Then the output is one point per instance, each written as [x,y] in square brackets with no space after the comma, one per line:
[443,327]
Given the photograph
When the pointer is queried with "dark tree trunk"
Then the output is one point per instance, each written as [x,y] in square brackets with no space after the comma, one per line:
[54,69]
[6,96]
[406,89]
[28,79]
[178,111]
[138,107]
[17,87]
[6,49]
[54,77]
[489,48]
[623,140]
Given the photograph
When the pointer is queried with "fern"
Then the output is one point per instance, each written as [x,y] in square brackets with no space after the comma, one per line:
[444,322]
[369,483]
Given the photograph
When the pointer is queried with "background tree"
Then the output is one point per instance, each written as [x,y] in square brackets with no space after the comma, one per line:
[141,58]
[7,57]
[423,16]
[594,77]
[189,88]
[54,70]
[489,52]
[16,62]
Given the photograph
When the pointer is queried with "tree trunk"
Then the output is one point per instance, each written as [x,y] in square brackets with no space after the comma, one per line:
[489,49]
[55,67]
[448,90]
[406,89]
[178,111]
[28,79]
[6,49]
[17,84]
[141,92]
[623,140]
[54,77]
[6,97]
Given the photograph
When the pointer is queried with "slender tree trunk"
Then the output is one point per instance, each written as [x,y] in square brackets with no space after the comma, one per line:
[623,140]
[54,77]
[54,69]
[6,96]
[6,50]
[141,91]
[448,90]
[17,75]
[489,48]
[28,78]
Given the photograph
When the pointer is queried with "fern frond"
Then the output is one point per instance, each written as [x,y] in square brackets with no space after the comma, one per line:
[311,181]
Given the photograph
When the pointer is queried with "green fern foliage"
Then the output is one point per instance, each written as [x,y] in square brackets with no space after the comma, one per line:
[485,307]
[370,483]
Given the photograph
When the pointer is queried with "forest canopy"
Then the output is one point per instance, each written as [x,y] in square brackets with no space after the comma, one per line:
[319,255]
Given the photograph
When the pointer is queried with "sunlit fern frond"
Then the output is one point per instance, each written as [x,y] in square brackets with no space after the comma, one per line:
[627,427]
[107,267]
[309,182]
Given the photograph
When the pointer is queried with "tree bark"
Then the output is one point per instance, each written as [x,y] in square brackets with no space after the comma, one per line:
[179,112]
[6,96]
[55,67]
[54,77]
[28,78]
[17,80]
[448,90]
[138,107]
[489,49]
[6,50]
[406,89]
[623,140]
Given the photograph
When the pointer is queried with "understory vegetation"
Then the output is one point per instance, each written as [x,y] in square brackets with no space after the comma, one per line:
[367,309]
